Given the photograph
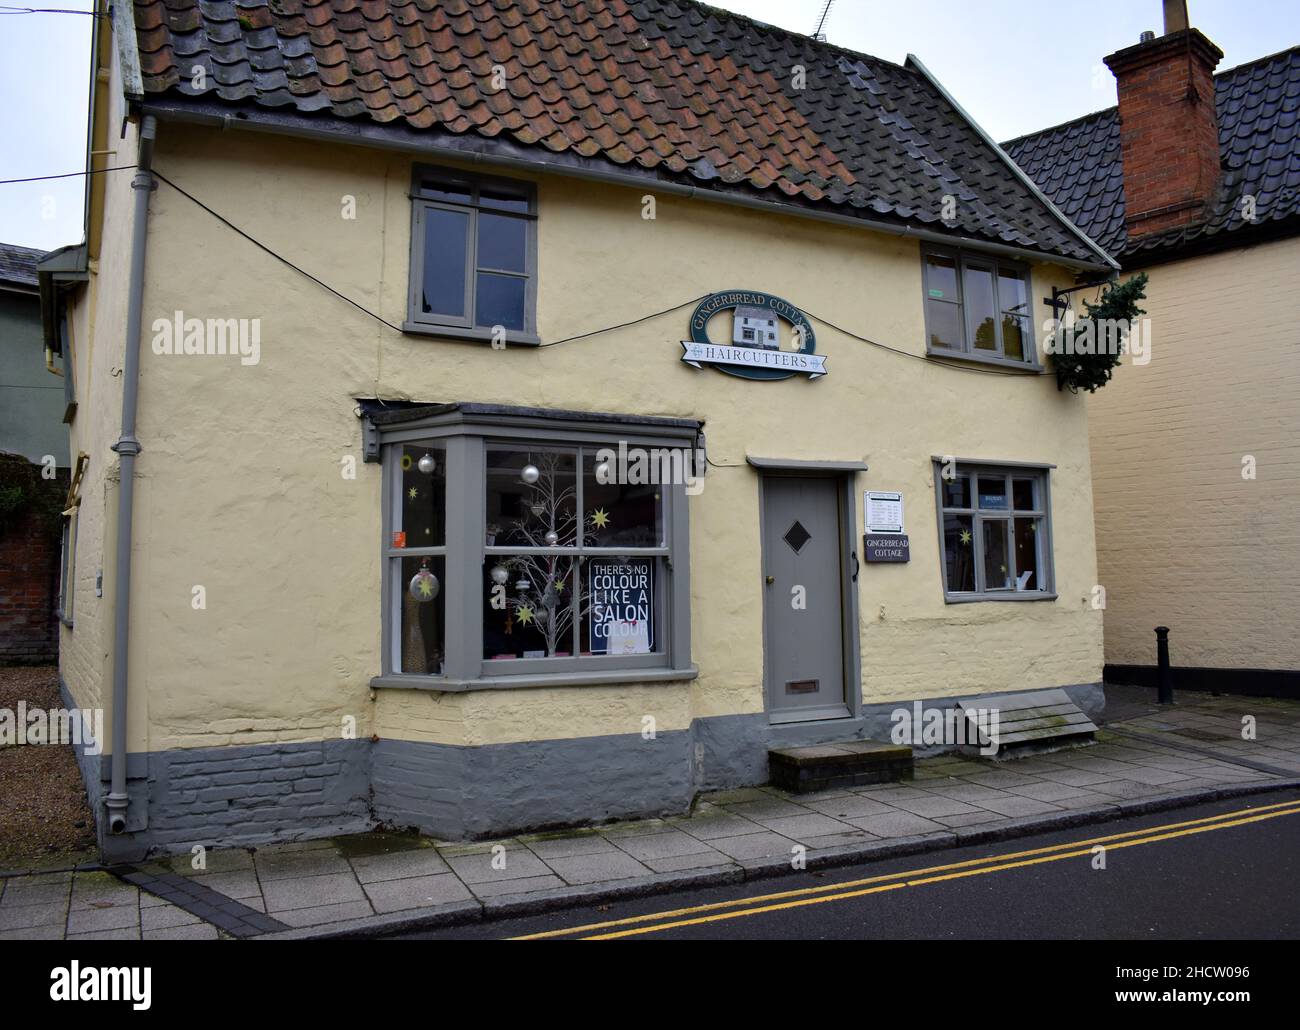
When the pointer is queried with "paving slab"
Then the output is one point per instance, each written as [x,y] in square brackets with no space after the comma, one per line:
[311,891]
[398,865]
[581,869]
[673,844]
[764,844]
[416,892]
[807,825]
[895,824]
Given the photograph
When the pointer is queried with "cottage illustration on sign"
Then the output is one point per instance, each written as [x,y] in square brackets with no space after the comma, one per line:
[755,348]
[754,327]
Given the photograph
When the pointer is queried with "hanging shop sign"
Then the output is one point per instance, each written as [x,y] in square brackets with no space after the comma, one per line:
[754,351]
[622,605]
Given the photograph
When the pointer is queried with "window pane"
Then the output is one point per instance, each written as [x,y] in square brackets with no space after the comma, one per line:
[624,509]
[422,516]
[1027,533]
[993,492]
[945,325]
[620,606]
[959,553]
[956,491]
[1012,295]
[980,310]
[419,584]
[526,514]
[527,606]
[941,278]
[1022,494]
[501,242]
[997,569]
[503,200]
[446,234]
[445,189]
[1015,337]
[499,301]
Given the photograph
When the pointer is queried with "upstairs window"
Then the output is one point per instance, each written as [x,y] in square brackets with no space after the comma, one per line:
[473,256]
[979,307]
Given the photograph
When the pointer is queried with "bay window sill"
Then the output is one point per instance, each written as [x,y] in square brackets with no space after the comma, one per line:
[442,684]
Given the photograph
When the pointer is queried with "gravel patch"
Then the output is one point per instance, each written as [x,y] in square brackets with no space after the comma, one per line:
[45,819]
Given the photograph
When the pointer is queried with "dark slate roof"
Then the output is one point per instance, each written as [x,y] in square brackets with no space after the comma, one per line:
[671,88]
[18,265]
[1079,165]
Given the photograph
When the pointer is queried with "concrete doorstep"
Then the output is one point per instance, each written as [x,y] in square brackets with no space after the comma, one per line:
[373,884]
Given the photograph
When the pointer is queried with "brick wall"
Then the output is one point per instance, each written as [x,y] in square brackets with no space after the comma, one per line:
[1169,141]
[29,584]
[1183,540]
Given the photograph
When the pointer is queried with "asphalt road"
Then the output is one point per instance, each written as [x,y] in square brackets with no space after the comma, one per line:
[1223,871]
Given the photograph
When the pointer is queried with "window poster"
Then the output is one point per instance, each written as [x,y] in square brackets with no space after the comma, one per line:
[622,605]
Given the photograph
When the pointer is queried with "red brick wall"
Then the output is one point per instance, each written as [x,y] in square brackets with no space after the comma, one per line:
[1169,142]
[29,584]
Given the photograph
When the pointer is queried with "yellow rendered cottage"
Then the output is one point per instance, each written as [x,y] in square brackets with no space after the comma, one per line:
[502,416]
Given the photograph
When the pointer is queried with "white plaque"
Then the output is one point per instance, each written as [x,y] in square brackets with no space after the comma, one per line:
[883,511]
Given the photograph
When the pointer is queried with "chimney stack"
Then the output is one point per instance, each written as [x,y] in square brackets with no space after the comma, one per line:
[1169,133]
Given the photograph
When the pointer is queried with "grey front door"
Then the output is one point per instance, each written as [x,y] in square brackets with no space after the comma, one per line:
[803,597]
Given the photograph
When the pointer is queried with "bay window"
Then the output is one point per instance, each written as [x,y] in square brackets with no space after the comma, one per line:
[519,551]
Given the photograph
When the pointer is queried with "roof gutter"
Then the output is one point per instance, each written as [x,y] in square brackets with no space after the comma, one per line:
[277,124]
[1109,262]
[127,447]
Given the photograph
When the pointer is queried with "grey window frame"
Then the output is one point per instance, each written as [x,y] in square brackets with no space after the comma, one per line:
[963,257]
[1008,470]
[466,444]
[465,328]
[68,569]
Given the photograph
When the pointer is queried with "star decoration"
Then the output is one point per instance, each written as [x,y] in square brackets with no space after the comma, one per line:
[559,584]
[425,587]
[525,614]
[965,536]
[599,518]
[413,493]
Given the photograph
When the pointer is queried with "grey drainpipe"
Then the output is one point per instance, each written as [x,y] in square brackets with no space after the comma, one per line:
[127,447]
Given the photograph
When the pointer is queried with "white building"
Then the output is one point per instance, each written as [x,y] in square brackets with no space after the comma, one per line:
[755,327]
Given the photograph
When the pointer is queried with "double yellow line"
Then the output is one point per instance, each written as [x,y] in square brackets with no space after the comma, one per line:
[739,908]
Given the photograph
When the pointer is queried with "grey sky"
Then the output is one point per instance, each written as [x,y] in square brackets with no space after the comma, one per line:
[1015,66]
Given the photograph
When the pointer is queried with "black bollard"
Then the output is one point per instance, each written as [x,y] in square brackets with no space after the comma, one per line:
[1164,682]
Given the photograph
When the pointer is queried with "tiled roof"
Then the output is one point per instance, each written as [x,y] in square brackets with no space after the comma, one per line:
[18,264]
[670,87]
[1079,166]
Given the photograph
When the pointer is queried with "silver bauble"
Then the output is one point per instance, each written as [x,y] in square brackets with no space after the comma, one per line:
[427,464]
[530,474]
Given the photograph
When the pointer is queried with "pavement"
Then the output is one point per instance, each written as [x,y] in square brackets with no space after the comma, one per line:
[1149,759]
[1215,873]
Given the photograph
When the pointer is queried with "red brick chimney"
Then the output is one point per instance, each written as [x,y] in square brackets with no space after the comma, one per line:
[1169,135]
